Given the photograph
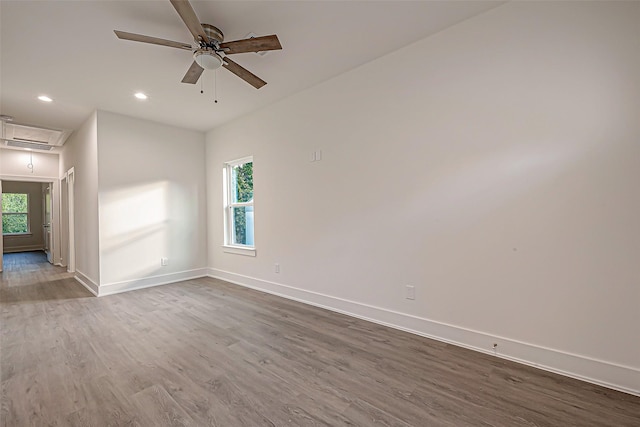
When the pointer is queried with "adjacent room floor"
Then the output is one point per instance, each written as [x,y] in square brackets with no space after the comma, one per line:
[205,352]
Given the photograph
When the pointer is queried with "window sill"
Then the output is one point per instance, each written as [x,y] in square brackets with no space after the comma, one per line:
[239,250]
[17,234]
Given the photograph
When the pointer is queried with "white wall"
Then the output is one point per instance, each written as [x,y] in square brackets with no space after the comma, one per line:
[494,166]
[81,152]
[13,163]
[34,240]
[152,202]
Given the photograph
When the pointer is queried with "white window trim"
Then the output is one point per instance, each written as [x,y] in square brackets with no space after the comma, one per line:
[239,250]
[27,234]
[228,247]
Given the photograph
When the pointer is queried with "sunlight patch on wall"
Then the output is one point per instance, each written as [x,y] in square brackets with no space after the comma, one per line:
[134,231]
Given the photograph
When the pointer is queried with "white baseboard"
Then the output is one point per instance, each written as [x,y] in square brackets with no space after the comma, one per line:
[25,248]
[86,282]
[600,372]
[146,282]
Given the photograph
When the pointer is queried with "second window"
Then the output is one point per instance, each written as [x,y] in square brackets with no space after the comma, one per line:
[239,215]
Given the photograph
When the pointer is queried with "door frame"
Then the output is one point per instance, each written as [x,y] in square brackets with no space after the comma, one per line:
[47,232]
[67,215]
[55,228]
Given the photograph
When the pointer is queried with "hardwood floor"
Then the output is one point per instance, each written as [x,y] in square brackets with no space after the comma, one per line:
[208,353]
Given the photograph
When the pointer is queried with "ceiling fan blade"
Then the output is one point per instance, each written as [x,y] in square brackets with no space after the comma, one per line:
[152,40]
[193,73]
[255,44]
[243,73]
[189,17]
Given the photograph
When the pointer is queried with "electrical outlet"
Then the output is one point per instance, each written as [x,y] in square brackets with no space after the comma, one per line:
[164,262]
[277,268]
[410,292]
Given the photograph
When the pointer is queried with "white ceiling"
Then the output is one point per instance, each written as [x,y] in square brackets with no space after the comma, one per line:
[68,51]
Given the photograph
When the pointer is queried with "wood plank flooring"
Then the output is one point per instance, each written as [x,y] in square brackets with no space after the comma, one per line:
[208,353]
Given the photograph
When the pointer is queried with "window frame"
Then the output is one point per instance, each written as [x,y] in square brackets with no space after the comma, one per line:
[27,213]
[229,246]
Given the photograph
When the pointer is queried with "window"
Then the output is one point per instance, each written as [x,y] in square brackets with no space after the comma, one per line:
[239,215]
[15,213]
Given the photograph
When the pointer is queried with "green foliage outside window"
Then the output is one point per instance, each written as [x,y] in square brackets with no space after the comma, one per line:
[15,213]
[243,189]
[243,179]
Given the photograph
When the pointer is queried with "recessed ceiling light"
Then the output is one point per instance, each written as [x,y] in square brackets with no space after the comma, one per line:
[140,95]
[45,98]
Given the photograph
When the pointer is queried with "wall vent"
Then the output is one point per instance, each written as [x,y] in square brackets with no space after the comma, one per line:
[30,145]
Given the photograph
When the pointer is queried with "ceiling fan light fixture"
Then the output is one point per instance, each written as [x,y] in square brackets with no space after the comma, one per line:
[207,59]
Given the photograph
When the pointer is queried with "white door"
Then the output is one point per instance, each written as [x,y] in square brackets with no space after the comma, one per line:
[71,240]
[64,222]
[47,221]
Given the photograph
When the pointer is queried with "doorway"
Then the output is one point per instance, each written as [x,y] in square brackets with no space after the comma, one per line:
[28,217]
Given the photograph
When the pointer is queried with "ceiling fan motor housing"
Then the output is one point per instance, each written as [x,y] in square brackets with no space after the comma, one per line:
[206,56]
[214,34]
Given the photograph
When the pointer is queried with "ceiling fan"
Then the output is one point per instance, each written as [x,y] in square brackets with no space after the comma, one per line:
[209,49]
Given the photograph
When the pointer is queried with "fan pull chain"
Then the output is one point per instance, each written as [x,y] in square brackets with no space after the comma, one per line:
[201,84]
[215,86]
